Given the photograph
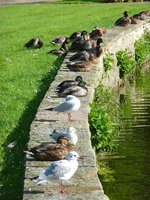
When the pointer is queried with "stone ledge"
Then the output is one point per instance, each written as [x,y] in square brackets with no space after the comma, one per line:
[85,183]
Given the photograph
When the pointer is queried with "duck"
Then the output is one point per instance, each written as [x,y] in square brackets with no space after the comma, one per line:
[76,90]
[62,51]
[34,43]
[69,134]
[61,170]
[77,44]
[140,16]
[75,35]
[71,104]
[68,83]
[123,21]
[97,33]
[50,151]
[133,20]
[59,40]
[80,66]
[82,56]
[96,51]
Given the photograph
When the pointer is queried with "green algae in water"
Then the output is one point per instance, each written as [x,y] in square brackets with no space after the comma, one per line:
[130,164]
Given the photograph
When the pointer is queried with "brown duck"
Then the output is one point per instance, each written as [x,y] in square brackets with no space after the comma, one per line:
[80,66]
[34,43]
[79,90]
[62,51]
[140,16]
[59,40]
[123,21]
[68,83]
[82,56]
[97,33]
[50,151]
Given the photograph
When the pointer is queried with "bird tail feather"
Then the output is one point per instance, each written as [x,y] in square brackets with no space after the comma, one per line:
[41,179]
[49,109]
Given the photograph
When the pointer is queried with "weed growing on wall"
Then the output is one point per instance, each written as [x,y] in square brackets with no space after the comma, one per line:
[125,62]
[103,120]
[142,49]
[108,62]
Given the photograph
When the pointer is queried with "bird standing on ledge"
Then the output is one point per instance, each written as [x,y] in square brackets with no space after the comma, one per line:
[71,104]
[61,170]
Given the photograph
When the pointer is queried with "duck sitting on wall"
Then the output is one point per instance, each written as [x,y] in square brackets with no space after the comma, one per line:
[79,90]
[82,56]
[96,51]
[62,51]
[79,66]
[133,20]
[68,83]
[34,43]
[97,33]
[75,35]
[123,21]
[50,151]
[77,44]
[140,16]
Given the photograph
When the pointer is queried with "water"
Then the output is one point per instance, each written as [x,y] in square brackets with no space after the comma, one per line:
[130,164]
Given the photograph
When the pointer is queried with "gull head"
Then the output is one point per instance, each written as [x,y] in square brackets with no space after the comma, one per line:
[71,130]
[72,155]
[70,97]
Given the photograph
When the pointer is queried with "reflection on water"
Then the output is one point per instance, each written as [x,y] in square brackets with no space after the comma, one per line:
[131,163]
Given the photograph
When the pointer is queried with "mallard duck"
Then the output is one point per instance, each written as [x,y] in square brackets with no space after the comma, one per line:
[82,56]
[77,90]
[49,151]
[133,20]
[77,44]
[70,134]
[60,171]
[63,49]
[34,43]
[96,51]
[67,83]
[79,66]
[140,16]
[59,40]
[147,12]
[75,35]
[123,21]
[71,104]
[97,33]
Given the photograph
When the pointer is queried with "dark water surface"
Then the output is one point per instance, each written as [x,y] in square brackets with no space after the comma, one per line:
[130,164]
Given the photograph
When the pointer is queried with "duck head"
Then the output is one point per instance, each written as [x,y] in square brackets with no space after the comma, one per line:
[82,83]
[125,13]
[78,78]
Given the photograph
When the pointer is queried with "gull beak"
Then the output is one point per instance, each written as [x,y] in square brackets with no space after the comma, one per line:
[81,158]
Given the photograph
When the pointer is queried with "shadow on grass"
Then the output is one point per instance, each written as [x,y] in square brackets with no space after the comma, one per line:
[12,175]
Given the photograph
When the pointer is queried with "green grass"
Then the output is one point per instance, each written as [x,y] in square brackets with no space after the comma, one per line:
[26,75]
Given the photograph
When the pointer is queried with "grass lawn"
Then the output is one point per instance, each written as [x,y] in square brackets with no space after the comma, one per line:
[26,75]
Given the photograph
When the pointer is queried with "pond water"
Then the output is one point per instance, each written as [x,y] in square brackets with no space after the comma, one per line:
[130,164]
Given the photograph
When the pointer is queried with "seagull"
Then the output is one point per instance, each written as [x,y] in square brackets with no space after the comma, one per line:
[60,171]
[70,104]
[70,134]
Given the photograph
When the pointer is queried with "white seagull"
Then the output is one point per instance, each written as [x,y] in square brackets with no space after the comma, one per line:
[61,170]
[70,104]
[70,134]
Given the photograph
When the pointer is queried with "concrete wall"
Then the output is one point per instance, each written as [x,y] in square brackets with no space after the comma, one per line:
[85,183]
